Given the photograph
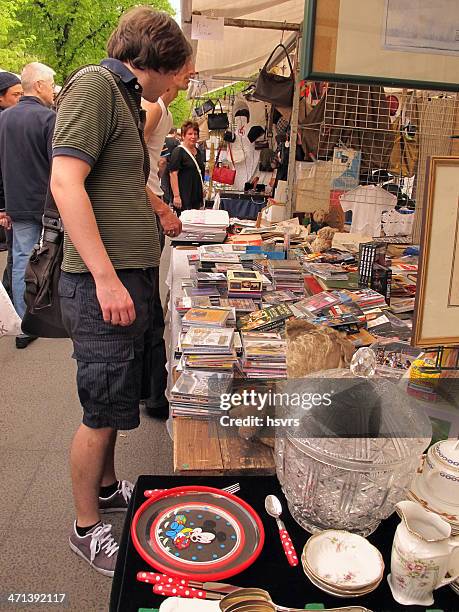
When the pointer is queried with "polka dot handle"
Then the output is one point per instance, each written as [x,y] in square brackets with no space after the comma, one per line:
[171,590]
[154,578]
[288,547]
[151,492]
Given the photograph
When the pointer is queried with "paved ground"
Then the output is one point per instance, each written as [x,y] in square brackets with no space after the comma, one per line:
[39,412]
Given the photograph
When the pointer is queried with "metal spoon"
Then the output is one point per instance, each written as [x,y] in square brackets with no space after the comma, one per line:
[274,509]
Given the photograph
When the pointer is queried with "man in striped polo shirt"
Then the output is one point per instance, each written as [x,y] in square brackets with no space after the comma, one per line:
[111,255]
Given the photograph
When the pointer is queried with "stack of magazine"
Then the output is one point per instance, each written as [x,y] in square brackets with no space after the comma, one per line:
[209,317]
[266,319]
[279,297]
[286,274]
[197,394]
[203,225]
[326,271]
[183,304]
[264,355]
[240,305]
[209,348]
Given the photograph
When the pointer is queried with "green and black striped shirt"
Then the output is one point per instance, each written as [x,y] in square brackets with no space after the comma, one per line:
[95,124]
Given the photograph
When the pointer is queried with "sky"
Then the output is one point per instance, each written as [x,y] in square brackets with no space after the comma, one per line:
[176,6]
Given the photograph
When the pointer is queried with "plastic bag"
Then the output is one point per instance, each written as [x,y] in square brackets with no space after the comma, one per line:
[10,322]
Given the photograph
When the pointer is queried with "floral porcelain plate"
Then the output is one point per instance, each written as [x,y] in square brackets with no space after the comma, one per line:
[343,560]
[197,532]
[449,512]
[337,592]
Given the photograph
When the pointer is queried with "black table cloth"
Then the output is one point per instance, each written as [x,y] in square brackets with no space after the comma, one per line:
[287,585]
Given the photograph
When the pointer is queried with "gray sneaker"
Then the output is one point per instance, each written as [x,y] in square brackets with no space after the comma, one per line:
[119,501]
[98,547]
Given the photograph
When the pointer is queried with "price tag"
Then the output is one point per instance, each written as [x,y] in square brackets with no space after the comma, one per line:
[207,28]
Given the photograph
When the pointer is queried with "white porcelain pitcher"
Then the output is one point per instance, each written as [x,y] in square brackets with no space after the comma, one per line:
[420,555]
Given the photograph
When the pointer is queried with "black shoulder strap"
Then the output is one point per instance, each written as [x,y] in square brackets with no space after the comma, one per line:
[140,122]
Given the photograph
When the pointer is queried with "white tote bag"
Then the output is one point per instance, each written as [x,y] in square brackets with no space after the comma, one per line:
[10,322]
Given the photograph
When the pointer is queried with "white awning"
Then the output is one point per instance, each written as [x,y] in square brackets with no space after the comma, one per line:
[244,50]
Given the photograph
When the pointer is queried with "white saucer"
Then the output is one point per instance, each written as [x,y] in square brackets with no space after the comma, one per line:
[337,593]
[449,512]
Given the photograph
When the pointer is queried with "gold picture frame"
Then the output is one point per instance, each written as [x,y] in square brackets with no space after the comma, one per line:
[436,320]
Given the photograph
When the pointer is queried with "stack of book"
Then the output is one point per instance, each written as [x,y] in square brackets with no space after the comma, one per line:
[264,355]
[334,309]
[346,316]
[203,226]
[210,279]
[210,292]
[239,304]
[315,303]
[266,319]
[244,284]
[386,325]
[210,348]
[402,305]
[286,274]
[197,394]
[208,340]
[327,271]
[368,299]
[279,297]
[183,304]
[209,317]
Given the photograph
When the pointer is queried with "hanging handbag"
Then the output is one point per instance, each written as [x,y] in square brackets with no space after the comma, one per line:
[204,108]
[275,88]
[261,144]
[43,315]
[218,121]
[223,174]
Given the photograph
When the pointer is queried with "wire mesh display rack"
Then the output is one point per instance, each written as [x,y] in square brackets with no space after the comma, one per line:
[393,132]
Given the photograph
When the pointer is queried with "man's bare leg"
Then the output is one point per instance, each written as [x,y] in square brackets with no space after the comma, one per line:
[88,458]
[109,474]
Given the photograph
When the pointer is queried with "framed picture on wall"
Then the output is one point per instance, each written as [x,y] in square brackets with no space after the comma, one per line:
[399,43]
[437,302]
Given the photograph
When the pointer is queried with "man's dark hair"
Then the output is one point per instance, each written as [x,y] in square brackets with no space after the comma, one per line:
[3,91]
[189,125]
[172,131]
[149,39]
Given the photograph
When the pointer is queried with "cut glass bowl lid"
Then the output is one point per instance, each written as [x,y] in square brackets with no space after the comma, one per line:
[370,421]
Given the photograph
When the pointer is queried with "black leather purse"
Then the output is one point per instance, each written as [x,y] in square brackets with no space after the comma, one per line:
[275,88]
[218,121]
[204,108]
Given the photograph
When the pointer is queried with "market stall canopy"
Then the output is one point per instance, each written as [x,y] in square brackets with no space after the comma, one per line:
[243,51]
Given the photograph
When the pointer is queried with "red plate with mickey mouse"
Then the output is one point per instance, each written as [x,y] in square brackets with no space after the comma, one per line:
[200,533]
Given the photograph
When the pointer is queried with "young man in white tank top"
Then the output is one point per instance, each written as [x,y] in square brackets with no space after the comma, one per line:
[157,126]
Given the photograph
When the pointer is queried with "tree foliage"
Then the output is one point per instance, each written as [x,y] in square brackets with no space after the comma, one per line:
[13,48]
[66,34]
[180,109]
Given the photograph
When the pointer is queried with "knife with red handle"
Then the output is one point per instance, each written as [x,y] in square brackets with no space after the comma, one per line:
[170,590]
[164,580]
